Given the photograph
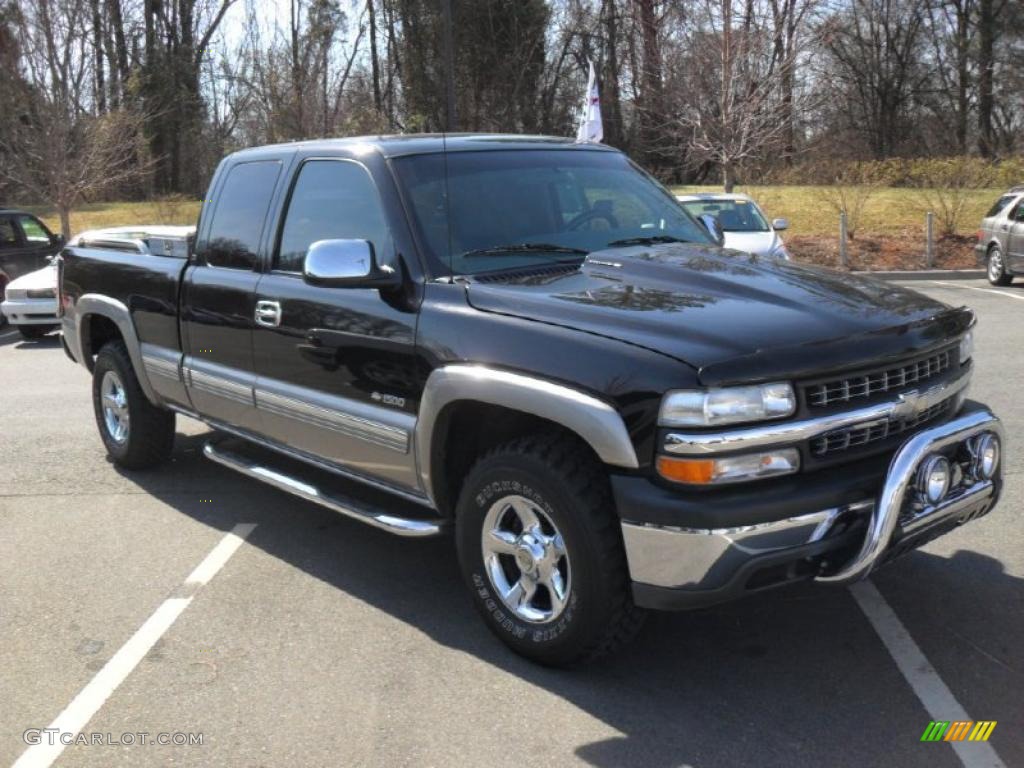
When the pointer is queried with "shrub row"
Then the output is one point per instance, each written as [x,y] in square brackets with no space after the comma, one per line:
[963,171]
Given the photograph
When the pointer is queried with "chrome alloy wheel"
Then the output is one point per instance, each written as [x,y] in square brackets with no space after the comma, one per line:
[995,265]
[525,558]
[115,407]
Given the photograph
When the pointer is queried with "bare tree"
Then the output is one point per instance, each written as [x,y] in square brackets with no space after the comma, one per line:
[878,67]
[737,83]
[56,149]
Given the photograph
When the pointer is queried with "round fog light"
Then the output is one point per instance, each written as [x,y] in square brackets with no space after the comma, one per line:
[986,456]
[933,478]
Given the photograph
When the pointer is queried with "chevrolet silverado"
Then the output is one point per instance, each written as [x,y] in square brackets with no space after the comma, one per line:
[530,342]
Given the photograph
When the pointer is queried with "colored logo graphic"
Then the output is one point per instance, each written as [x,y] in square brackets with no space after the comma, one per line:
[958,730]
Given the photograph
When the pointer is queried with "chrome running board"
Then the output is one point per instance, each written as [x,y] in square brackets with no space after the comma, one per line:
[350,507]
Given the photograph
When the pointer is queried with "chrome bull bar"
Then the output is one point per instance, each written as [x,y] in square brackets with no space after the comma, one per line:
[899,479]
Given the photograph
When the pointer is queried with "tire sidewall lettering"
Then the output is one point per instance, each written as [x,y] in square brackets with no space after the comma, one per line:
[482,499]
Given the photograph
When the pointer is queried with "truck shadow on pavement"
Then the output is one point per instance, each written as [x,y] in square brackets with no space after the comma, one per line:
[787,678]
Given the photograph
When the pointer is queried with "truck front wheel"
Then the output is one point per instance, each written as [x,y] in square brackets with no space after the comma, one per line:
[136,433]
[541,550]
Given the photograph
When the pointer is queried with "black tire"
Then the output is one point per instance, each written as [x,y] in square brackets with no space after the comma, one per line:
[34,332]
[565,484]
[995,267]
[149,434]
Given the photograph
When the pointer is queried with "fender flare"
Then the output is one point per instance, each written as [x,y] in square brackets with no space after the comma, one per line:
[594,420]
[96,304]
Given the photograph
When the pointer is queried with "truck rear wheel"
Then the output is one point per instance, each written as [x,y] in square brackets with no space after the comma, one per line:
[136,433]
[541,550]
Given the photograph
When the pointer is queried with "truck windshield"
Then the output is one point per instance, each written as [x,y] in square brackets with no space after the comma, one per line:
[508,209]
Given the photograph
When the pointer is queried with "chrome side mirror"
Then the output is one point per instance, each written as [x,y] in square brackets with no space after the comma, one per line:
[780,224]
[711,225]
[346,263]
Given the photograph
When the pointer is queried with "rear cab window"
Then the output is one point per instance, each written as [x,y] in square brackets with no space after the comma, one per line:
[239,215]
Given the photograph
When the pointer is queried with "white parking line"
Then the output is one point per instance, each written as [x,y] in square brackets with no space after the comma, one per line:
[8,335]
[918,671]
[983,290]
[89,700]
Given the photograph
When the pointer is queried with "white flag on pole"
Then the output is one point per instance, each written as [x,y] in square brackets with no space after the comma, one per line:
[590,118]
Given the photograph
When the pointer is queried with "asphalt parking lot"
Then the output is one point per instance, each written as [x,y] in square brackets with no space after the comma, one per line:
[317,641]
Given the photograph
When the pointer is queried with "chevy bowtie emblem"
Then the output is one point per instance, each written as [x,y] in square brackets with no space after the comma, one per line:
[909,405]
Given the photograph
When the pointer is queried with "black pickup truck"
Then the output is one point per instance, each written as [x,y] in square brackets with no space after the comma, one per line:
[530,342]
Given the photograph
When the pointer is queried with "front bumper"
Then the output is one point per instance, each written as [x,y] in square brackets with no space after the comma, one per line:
[677,566]
[30,311]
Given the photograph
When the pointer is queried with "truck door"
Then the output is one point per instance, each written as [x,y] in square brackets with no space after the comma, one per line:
[335,366]
[217,303]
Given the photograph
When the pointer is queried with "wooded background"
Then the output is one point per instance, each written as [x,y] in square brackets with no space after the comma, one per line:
[136,99]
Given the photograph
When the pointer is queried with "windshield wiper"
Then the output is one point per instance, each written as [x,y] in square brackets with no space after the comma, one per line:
[500,250]
[652,240]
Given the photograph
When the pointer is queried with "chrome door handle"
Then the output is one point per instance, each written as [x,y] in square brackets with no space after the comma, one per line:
[268,313]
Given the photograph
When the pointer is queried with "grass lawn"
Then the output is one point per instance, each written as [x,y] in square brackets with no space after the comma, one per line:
[95,215]
[889,211]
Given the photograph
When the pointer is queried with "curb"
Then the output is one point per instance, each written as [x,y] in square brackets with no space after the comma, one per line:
[928,274]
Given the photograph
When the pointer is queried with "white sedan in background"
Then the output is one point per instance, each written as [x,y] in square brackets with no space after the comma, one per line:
[31,303]
[741,221]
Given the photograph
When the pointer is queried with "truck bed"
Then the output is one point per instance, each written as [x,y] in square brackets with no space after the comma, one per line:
[140,266]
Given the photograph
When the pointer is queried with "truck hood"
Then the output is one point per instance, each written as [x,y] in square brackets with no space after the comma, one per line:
[733,316]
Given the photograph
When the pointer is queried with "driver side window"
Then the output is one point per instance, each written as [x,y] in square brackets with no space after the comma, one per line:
[331,200]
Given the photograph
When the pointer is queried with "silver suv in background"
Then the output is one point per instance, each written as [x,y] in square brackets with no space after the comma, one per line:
[1001,238]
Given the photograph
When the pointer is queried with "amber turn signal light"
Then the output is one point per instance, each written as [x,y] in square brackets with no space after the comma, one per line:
[693,471]
[729,469]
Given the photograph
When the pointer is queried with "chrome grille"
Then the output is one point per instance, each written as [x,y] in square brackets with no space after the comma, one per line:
[867,384]
[858,435]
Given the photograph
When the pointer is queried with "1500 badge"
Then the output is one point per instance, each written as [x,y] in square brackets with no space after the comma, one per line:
[388,399]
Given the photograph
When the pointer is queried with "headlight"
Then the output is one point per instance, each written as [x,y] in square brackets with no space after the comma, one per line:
[967,347]
[729,469]
[731,405]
